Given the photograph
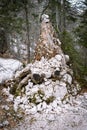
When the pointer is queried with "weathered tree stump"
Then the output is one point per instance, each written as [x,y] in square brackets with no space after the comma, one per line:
[47,45]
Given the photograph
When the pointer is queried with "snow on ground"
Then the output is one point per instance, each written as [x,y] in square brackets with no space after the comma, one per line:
[8,67]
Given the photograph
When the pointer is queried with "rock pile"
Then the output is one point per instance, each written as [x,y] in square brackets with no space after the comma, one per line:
[55,90]
[47,84]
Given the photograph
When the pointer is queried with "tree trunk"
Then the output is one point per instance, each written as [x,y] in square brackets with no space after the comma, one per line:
[64,16]
[3,41]
[58,16]
[27,29]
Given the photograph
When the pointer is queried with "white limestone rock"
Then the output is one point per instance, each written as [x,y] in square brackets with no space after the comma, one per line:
[15,107]
[34,90]
[58,57]
[63,84]
[18,98]
[85,95]
[58,41]
[22,106]
[58,100]
[67,78]
[38,98]
[35,70]
[60,91]
[48,74]
[58,110]
[57,69]
[47,94]
[6,91]
[51,117]
[57,82]
[67,58]
[24,100]
[27,88]
[45,18]
[36,86]
[40,107]
[5,107]
[49,108]
[26,106]
[44,105]
[42,85]
[33,110]
[10,97]
[5,123]
[63,72]
[54,104]
[27,93]
[47,82]
[30,85]
[48,90]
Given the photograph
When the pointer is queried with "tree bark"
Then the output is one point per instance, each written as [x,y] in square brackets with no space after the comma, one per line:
[27,29]
[3,41]
[64,16]
[58,17]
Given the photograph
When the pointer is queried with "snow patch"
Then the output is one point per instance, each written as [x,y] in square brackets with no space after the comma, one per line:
[8,68]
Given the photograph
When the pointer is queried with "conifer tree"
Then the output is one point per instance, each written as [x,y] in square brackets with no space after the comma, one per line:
[9,21]
[82,29]
[81,33]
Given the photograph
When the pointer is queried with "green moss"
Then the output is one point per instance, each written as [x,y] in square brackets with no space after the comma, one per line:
[65,97]
[13,89]
[41,93]
[17,93]
[32,100]
[76,60]
[50,99]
